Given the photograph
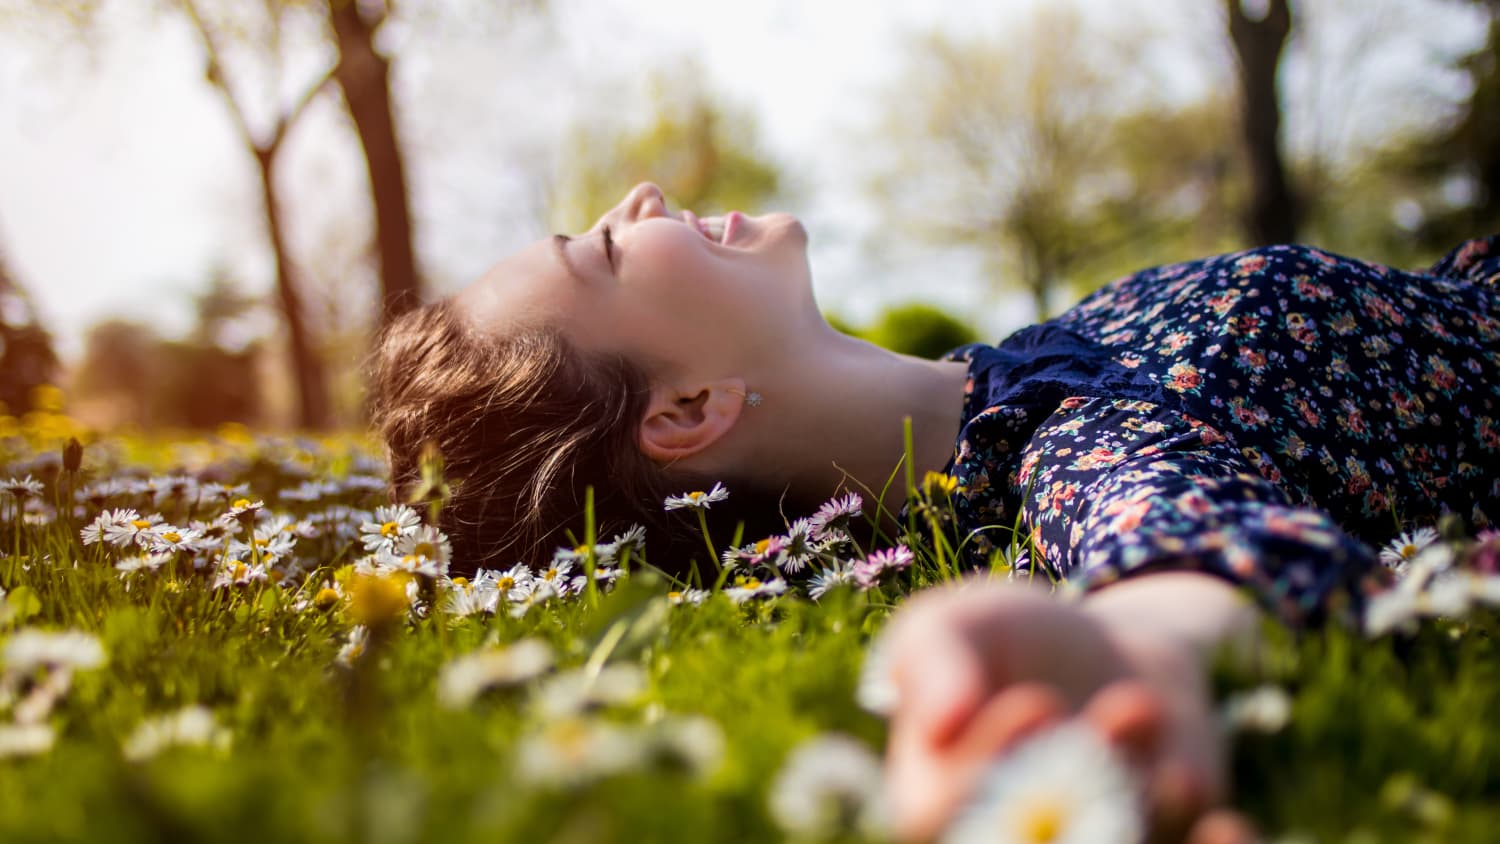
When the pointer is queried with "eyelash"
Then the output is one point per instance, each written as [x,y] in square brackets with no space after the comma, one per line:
[609,248]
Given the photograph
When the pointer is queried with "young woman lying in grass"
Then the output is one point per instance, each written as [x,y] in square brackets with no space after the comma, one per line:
[1247,423]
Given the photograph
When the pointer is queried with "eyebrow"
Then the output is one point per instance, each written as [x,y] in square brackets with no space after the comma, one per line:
[559,242]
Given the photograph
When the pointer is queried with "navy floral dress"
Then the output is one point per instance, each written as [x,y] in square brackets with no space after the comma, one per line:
[1265,416]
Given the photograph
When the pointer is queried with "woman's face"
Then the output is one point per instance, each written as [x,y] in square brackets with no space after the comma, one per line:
[672,293]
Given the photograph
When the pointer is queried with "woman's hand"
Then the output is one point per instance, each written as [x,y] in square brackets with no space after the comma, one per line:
[978,667]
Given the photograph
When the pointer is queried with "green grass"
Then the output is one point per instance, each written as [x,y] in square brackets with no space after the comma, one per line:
[1390,740]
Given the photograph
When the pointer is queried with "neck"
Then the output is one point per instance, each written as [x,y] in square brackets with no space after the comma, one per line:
[833,418]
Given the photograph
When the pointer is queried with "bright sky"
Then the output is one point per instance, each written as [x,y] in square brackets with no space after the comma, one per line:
[124,185]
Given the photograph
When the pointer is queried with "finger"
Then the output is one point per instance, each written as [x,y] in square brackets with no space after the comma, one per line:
[1176,796]
[939,679]
[1131,717]
[1224,826]
[1008,718]
[926,784]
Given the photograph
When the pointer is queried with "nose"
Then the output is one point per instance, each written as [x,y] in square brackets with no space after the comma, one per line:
[645,200]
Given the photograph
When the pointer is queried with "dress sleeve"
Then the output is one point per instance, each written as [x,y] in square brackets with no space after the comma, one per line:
[1113,488]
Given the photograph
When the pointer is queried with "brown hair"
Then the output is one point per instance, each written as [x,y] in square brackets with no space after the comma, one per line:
[524,423]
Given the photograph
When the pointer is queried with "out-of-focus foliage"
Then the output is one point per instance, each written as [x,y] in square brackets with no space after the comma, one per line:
[130,375]
[919,329]
[27,360]
[702,153]
[1027,151]
[1449,179]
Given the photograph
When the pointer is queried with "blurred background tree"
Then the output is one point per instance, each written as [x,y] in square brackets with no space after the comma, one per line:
[1069,145]
[1448,178]
[131,375]
[1016,150]
[701,151]
[27,360]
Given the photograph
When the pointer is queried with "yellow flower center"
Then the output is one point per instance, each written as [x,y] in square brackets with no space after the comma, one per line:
[697,496]
[325,598]
[761,546]
[390,529]
[505,583]
[461,581]
[240,571]
[752,583]
[140,524]
[1043,822]
[172,536]
[1407,551]
[426,549]
[550,575]
[674,595]
[261,543]
[240,503]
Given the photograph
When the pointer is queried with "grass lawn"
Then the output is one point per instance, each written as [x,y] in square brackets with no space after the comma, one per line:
[247,669]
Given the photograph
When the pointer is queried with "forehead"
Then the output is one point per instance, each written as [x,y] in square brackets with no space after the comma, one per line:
[531,286]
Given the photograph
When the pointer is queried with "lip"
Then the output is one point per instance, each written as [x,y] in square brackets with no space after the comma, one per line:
[733,221]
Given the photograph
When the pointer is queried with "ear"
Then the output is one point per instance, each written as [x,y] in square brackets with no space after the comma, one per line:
[680,422]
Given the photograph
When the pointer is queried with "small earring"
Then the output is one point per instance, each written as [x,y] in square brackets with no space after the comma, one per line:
[751,398]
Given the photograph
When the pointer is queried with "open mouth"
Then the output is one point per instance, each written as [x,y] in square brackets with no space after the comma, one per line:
[716,229]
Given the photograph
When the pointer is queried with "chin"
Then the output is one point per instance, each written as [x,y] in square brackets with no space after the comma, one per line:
[787,226]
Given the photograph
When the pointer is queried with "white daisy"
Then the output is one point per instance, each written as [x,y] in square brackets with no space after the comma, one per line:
[142,562]
[1061,786]
[828,786]
[137,531]
[825,581]
[107,524]
[800,549]
[697,499]
[391,522]
[233,571]
[747,588]
[462,599]
[579,690]
[533,594]
[167,539]
[833,517]
[365,484]
[876,691]
[867,572]
[27,650]
[694,597]
[25,739]
[575,751]
[244,510]
[354,648]
[192,726]
[22,488]
[556,574]
[465,678]
[510,585]
[692,743]
[1405,547]
[632,542]
[1263,709]
[424,551]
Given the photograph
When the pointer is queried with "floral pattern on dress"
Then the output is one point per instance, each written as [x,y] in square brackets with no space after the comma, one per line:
[1285,410]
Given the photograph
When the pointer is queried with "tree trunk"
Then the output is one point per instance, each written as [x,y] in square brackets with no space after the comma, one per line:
[364,77]
[1273,213]
[312,381]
